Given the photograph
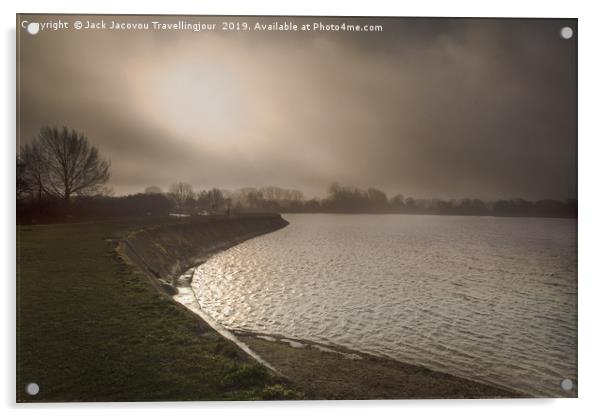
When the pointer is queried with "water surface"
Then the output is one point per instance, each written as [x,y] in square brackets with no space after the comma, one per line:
[490,299]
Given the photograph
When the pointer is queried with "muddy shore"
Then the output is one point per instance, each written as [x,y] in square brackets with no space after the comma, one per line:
[333,372]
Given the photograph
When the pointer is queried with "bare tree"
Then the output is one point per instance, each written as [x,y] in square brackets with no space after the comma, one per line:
[62,163]
[32,170]
[181,193]
[216,199]
[23,185]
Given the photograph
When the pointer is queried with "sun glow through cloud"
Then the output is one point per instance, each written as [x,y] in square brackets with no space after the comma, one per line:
[397,110]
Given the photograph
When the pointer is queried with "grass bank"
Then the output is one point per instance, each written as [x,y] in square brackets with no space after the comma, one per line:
[92,328]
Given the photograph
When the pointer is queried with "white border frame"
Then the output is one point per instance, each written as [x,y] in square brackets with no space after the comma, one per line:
[590,201]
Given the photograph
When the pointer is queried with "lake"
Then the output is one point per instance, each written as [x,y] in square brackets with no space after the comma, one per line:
[485,298]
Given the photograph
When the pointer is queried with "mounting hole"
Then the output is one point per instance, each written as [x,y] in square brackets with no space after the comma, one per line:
[33,28]
[566,32]
[566,384]
[32,388]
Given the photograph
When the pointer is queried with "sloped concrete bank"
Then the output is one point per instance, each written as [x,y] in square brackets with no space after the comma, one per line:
[165,252]
[168,254]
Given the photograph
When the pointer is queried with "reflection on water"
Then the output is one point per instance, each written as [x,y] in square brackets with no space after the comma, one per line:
[491,299]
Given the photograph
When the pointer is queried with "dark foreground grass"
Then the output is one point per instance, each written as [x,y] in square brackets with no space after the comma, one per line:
[91,328]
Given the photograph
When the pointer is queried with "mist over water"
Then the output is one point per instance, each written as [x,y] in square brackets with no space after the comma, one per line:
[490,299]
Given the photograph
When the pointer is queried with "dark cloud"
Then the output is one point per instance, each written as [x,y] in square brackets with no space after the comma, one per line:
[429,107]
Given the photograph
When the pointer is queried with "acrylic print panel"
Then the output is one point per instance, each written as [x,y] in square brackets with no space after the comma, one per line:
[258,208]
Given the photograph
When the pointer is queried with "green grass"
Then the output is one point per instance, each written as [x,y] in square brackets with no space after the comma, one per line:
[91,328]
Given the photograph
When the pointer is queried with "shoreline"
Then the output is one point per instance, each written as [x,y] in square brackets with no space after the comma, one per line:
[344,373]
[336,372]
[163,253]
[321,371]
[186,297]
[168,255]
[127,339]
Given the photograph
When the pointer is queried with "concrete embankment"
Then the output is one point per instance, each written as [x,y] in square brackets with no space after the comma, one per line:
[166,251]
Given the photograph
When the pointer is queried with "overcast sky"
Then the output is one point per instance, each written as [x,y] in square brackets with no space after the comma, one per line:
[427,108]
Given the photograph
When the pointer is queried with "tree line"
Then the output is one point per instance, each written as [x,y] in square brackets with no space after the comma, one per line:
[350,199]
[62,177]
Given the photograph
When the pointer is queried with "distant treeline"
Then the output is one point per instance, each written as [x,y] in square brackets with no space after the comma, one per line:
[181,199]
[61,176]
[345,199]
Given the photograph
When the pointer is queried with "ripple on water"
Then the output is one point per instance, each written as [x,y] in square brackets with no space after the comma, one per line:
[491,299]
